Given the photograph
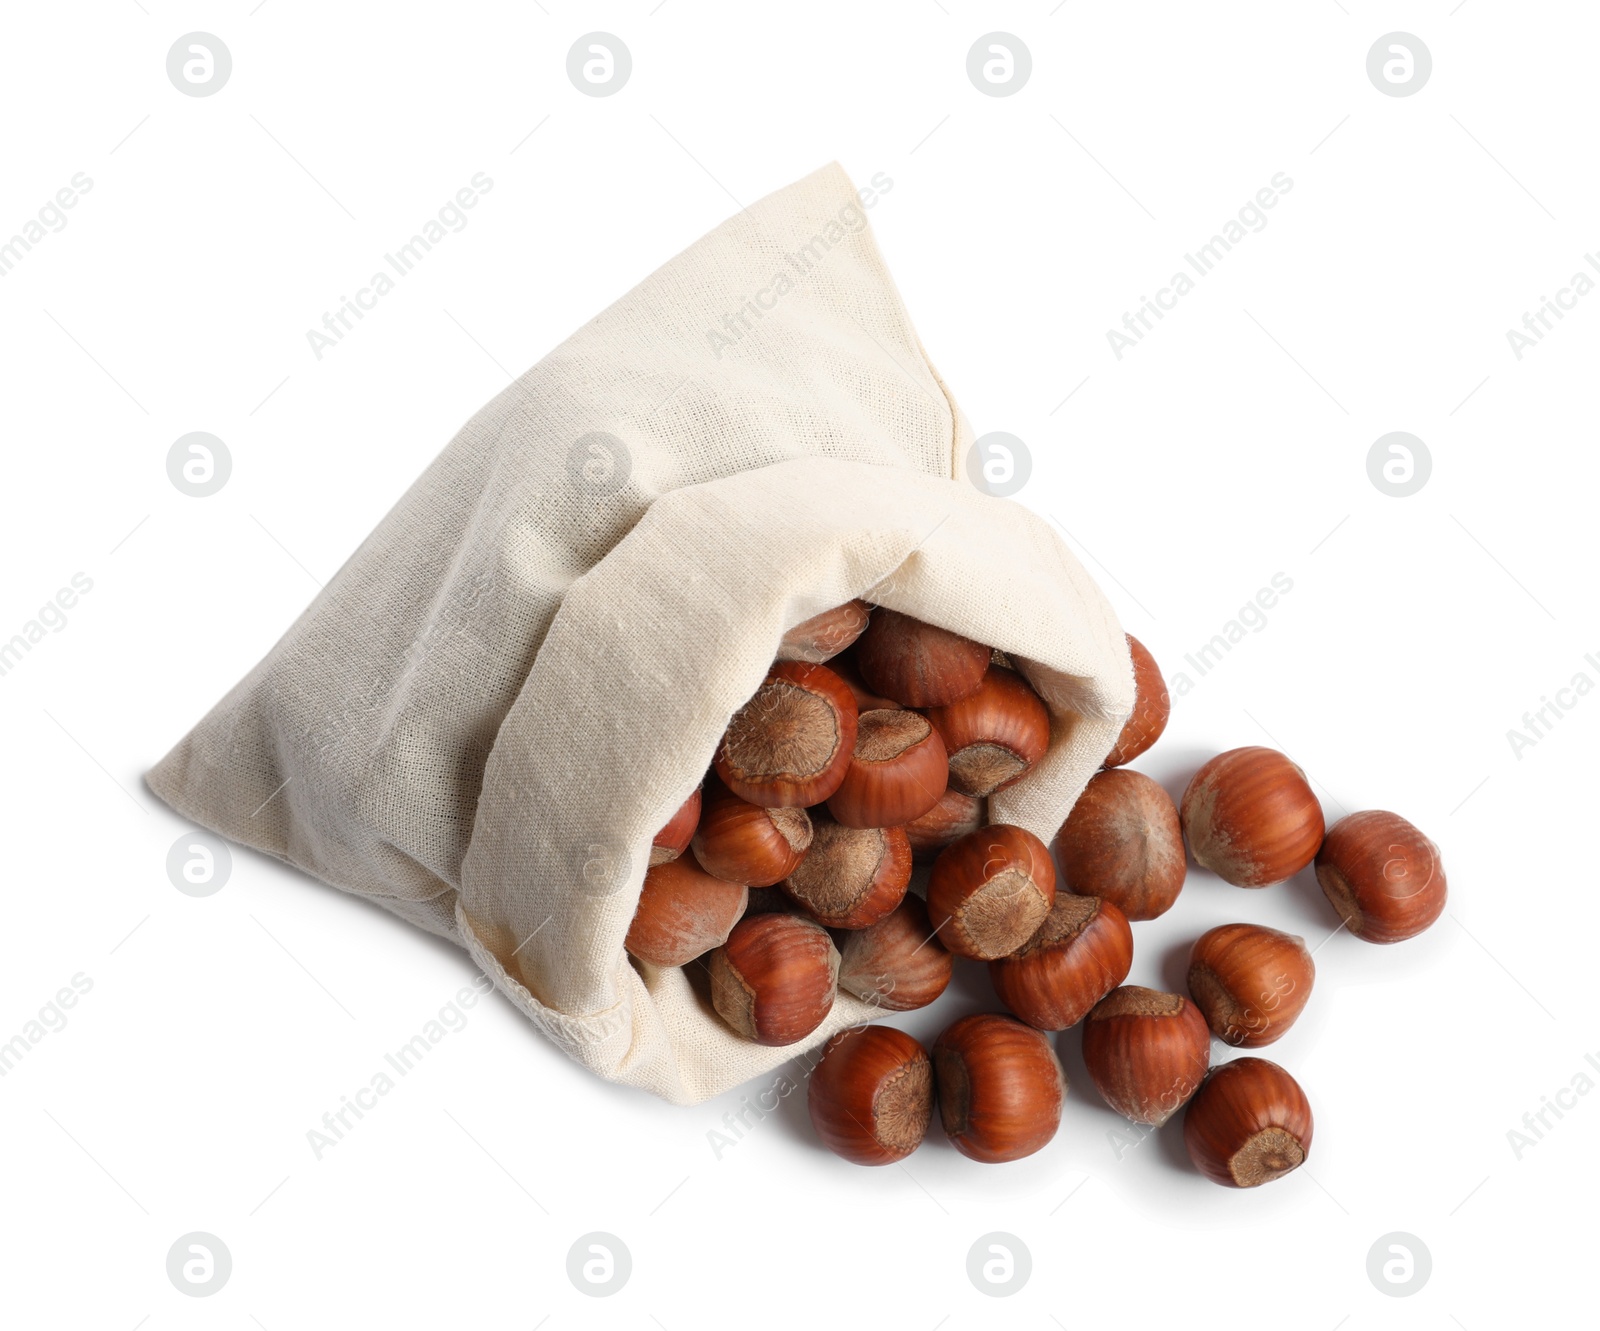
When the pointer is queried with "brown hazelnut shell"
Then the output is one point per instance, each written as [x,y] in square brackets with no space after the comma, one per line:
[948,821]
[844,666]
[1251,817]
[896,773]
[824,636]
[995,735]
[683,912]
[918,664]
[1082,951]
[673,839]
[1382,875]
[773,980]
[1000,1086]
[852,876]
[897,964]
[990,891]
[1146,1052]
[790,744]
[1250,982]
[1249,1124]
[745,843]
[1152,706]
[1122,841]
[871,1096]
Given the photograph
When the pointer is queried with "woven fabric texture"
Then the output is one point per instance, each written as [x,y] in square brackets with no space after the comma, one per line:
[524,670]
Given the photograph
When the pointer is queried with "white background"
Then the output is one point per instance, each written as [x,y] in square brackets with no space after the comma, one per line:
[1230,445]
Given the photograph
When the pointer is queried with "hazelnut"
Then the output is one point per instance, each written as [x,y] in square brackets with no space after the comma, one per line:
[791,743]
[683,912]
[745,843]
[1152,705]
[1079,954]
[994,736]
[1145,1051]
[844,666]
[898,963]
[673,839]
[896,773]
[1382,876]
[1250,981]
[852,876]
[1249,1124]
[990,890]
[918,664]
[871,1096]
[949,820]
[1251,817]
[824,636]
[773,980]
[1000,1087]
[1122,842]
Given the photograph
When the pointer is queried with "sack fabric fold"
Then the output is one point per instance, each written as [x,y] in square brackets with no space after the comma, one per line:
[525,669]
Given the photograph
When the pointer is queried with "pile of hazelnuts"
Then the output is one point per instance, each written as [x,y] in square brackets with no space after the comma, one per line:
[785,879]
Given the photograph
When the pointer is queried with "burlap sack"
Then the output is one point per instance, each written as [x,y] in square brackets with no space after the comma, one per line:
[521,674]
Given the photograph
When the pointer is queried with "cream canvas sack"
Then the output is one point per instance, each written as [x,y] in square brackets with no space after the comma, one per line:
[519,676]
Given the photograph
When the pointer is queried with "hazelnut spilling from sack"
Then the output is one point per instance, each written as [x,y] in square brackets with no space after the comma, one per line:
[528,668]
